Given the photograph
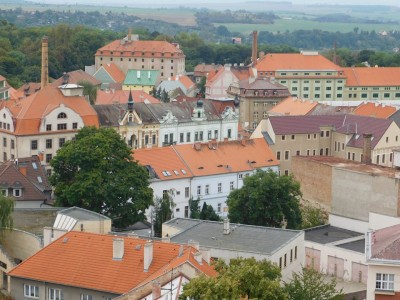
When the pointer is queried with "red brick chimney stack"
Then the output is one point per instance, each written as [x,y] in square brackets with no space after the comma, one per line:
[367,149]
[45,62]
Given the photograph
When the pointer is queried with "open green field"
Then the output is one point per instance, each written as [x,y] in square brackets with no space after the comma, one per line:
[181,16]
[282,25]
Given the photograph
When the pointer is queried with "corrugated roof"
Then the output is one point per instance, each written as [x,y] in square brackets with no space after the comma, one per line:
[85,260]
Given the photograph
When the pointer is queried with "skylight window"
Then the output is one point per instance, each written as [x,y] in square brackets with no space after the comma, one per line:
[164,173]
[183,171]
[39,179]
[176,172]
[34,165]
[168,173]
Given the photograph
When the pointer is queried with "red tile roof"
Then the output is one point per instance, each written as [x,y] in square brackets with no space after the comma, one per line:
[114,72]
[30,111]
[241,73]
[203,69]
[375,110]
[294,61]
[85,260]
[227,157]
[163,160]
[293,106]
[139,47]
[372,76]
[75,77]
[121,97]
[186,81]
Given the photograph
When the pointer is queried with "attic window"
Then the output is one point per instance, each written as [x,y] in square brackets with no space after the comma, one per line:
[168,173]
[164,173]
[62,115]
[183,171]
[176,172]
[39,179]
[34,165]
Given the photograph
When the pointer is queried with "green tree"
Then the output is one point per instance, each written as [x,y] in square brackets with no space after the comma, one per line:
[310,284]
[242,278]
[6,208]
[202,86]
[96,171]
[208,213]
[266,199]
[194,208]
[164,97]
[162,212]
[89,90]
[312,215]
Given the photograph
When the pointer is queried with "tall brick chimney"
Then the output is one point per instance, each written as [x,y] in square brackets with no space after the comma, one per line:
[367,149]
[45,62]
[254,50]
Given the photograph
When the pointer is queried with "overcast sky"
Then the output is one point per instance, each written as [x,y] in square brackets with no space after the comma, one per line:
[164,3]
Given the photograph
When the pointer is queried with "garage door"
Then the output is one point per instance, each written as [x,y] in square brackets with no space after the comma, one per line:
[313,259]
[335,266]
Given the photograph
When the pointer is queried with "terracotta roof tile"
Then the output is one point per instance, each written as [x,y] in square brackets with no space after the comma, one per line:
[227,157]
[163,160]
[156,47]
[203,69]
[372,76]
[30,111]
[75,77]
[293,106]
[114,72]
[294,61]
[186,81]
[85,260]
[375,110]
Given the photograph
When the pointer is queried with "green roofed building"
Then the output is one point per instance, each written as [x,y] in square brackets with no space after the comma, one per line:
[143,80]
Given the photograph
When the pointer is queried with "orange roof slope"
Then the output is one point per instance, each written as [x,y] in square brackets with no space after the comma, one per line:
[374,110]
[293,106]
[139,46]
[30,111]
[85,260]
[75,77]
[121,97]
[228,157]
[163,160]
[186,81]
[372,76]
[114,72]
[294,61]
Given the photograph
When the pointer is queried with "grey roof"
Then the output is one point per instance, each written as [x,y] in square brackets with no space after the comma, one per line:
[183,110]
[267,138]
[328,234]
[358,246]
[82,214]
[244,238]
[110,115]
[261,84]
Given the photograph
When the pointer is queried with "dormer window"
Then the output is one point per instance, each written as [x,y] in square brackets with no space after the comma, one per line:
[62,115]
[17,192]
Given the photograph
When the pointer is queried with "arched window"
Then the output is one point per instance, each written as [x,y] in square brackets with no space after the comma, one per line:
[62,115]
[130,118]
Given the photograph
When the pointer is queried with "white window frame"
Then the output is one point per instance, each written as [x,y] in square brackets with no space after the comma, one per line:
[384,281]
[232,185]
[198,190]
[55,294]
[219,187]
[207,189]
[31,291]
[20,193]
[86,297]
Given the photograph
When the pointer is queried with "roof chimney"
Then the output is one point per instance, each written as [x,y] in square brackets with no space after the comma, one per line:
[198,257]
[254,49]
[129,34]
[194,244]
[206,253]
[367,149]
[45,62]
[118,248]
[227,230]
[148,255]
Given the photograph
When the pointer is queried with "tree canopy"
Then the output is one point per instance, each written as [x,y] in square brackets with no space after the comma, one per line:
[6,209]
[266,199]
[242,278]
[310,284]
[163,211]
[96,171]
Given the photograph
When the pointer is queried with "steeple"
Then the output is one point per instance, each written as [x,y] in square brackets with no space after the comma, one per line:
[130,101]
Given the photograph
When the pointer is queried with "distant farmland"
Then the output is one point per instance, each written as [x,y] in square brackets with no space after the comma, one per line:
[282,25]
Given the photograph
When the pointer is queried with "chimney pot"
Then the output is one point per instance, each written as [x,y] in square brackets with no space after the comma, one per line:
[198,257]
[148,255]
[118,248]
